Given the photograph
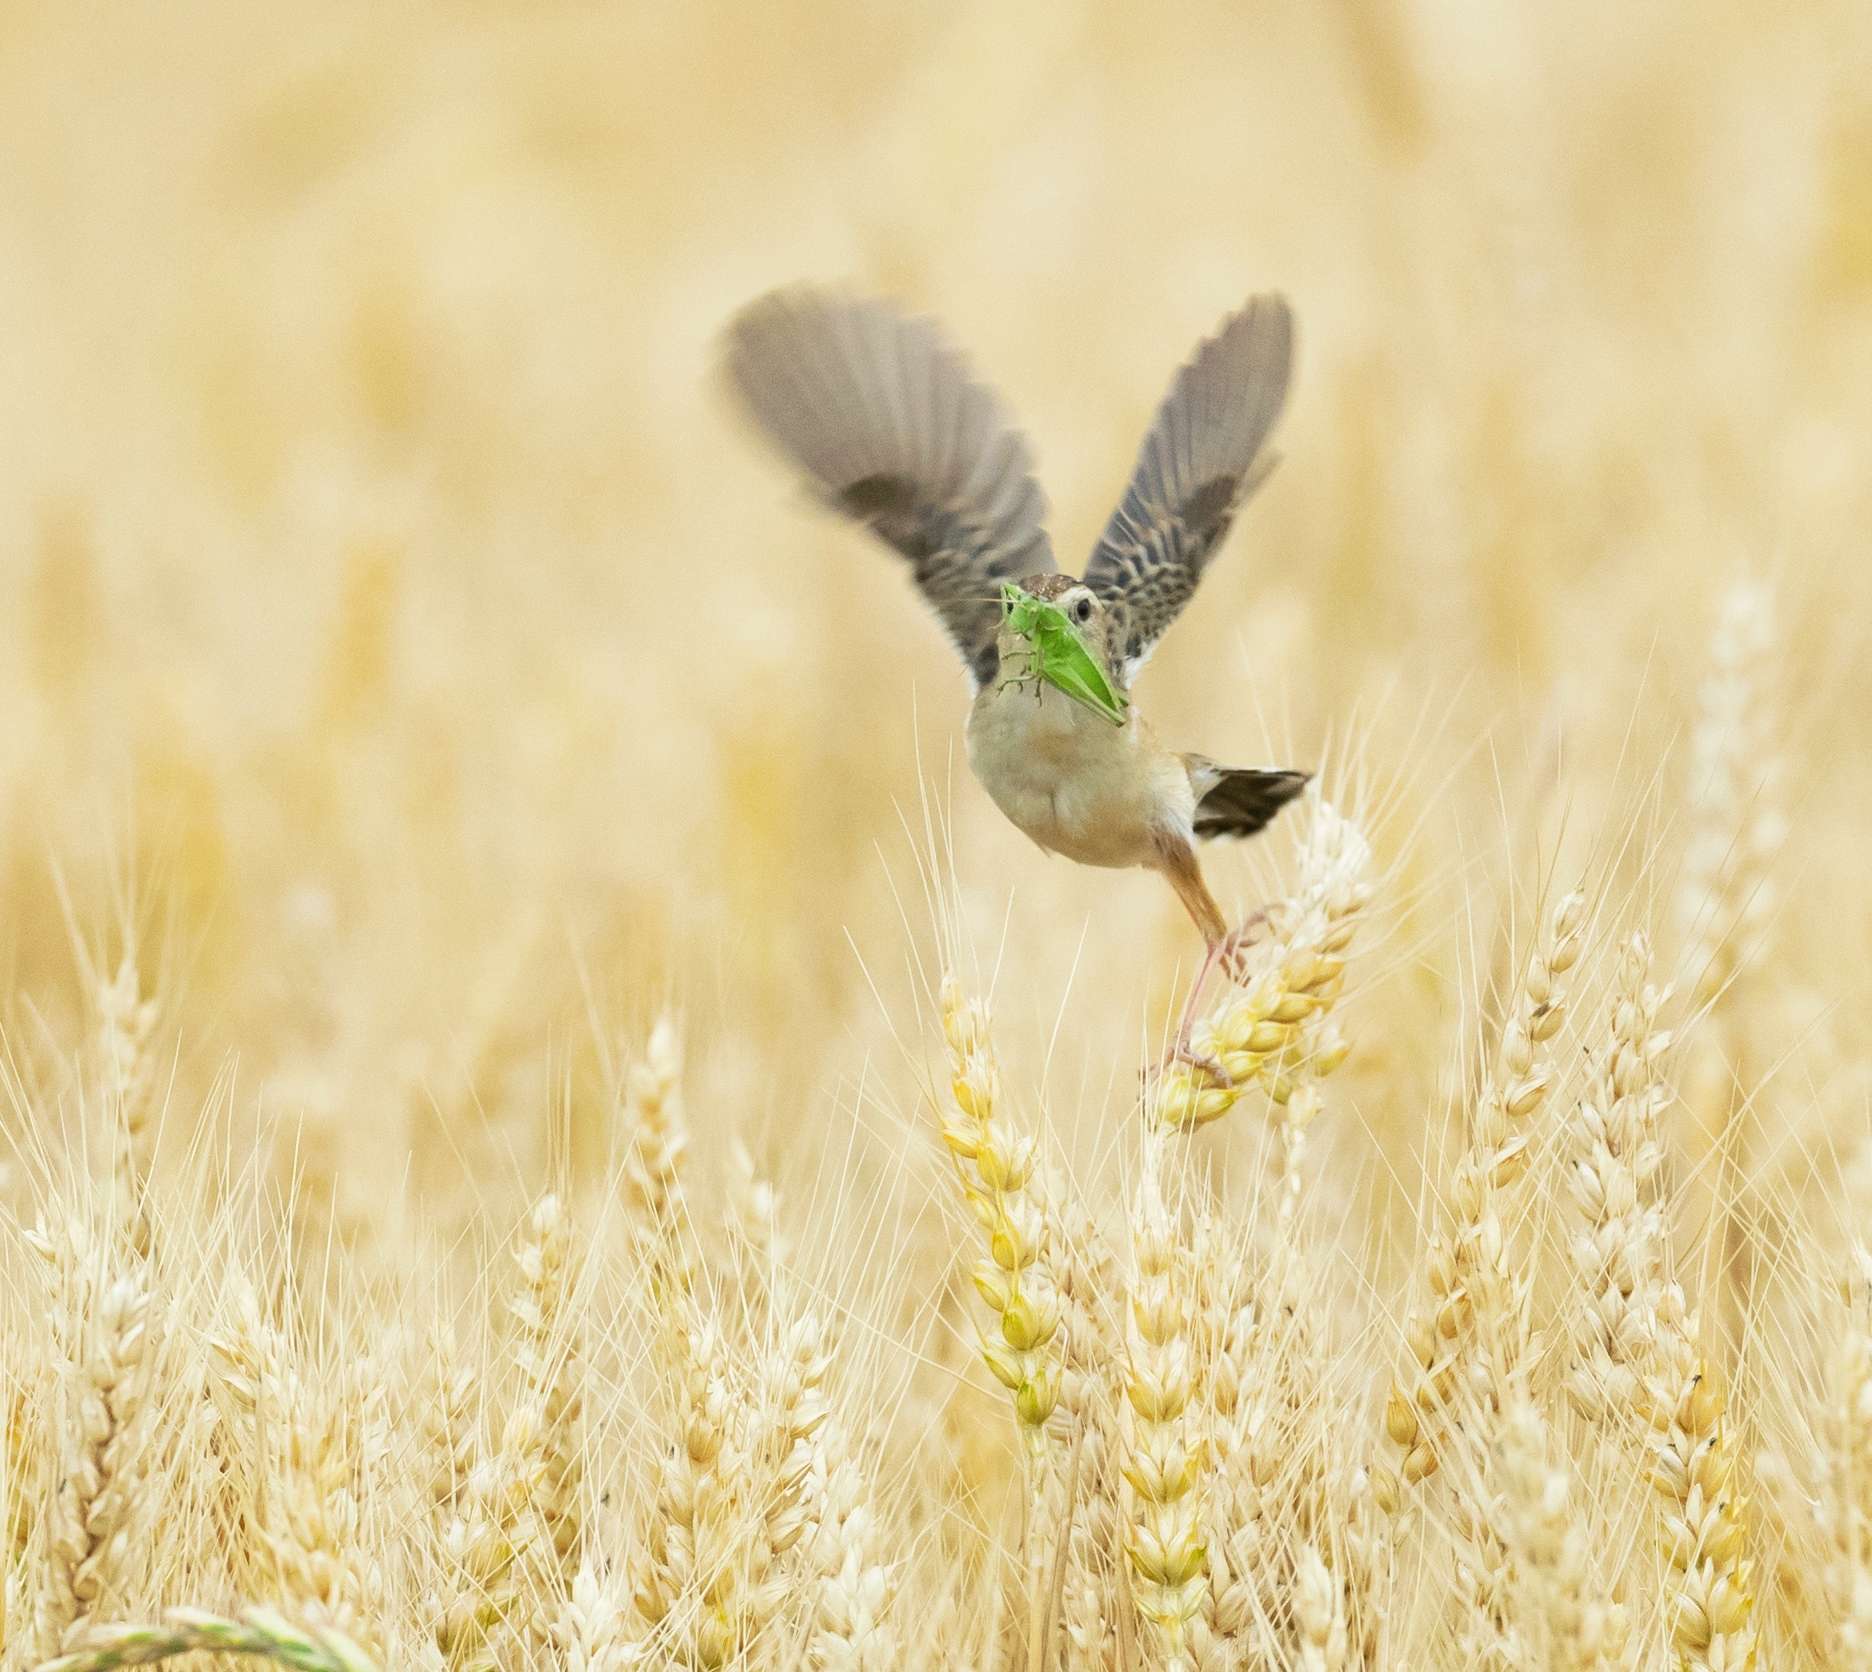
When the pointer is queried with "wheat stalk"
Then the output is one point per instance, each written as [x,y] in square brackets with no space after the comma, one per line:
[1319,1608]
[1556,1613]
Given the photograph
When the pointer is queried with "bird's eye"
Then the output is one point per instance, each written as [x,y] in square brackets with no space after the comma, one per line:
[1082,611]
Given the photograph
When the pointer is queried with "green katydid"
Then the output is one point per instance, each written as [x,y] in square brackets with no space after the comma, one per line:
[1057,654]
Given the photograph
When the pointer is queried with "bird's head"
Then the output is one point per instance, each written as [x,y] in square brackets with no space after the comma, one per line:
[1057,631]
[1083,609]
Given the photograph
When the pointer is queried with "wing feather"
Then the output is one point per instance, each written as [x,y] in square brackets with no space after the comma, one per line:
[1203,457]
[881,413]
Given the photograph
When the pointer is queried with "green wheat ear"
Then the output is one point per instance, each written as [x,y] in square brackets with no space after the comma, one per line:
[260,1631]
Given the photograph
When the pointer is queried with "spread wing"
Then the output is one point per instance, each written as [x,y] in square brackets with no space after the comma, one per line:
[1203,457]
[880,412]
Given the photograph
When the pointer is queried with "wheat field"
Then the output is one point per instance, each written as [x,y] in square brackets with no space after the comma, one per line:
[546,1121]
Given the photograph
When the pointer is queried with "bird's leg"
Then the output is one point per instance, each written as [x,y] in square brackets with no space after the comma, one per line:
[1181,1050]
[1178,864]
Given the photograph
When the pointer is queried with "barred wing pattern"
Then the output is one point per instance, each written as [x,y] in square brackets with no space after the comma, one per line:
[1201,460]
[880,411]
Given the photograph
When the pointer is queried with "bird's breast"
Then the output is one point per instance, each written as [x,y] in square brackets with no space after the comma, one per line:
[1074,782]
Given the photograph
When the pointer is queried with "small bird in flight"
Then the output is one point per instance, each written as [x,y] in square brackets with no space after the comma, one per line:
[882,414]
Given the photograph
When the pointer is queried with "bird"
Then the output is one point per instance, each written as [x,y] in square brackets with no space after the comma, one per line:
[882,415]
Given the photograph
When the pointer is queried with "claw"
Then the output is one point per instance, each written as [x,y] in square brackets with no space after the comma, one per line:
[1182,1051]
[1232,949]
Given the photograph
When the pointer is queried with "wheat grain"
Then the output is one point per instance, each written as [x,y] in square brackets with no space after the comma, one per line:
[592,1632]
[1467,1339]
[1163,1450]
[1619,1251]
[1275,1031]
[105,1301]
[542,1434]
[658,1130]
[1726,894]
[1319,1606]
[1559,1616]
[1706,1528]
[297,1432]
[681,1574]
[996,1168]
[410,688]
[852,1629]
[1849,1470]
[126,1075]
[1638,1353]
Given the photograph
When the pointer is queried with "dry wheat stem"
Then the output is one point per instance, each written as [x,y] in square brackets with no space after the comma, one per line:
[1244,1497]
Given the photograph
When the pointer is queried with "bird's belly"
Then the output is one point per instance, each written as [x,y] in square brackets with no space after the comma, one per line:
[1074,782]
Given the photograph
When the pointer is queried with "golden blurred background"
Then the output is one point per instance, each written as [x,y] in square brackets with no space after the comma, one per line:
[405,643]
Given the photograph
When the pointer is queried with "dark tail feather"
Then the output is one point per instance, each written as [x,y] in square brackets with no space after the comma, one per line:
[1243,799]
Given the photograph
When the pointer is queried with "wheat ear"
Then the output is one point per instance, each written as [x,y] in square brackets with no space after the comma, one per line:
[260,1631]
[1163,1442]
[1274,1033]
[1849,1448]
[1467,1333]
[997,1170]
[1637,1345]
[93,1510]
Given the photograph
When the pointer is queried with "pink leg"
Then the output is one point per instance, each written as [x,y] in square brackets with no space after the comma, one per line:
[1177,861]
[1188,1018]
[1237,941]
[1181,1050]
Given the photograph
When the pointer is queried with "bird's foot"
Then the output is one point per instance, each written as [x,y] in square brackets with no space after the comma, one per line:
[1187,1054]
[1232,950]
